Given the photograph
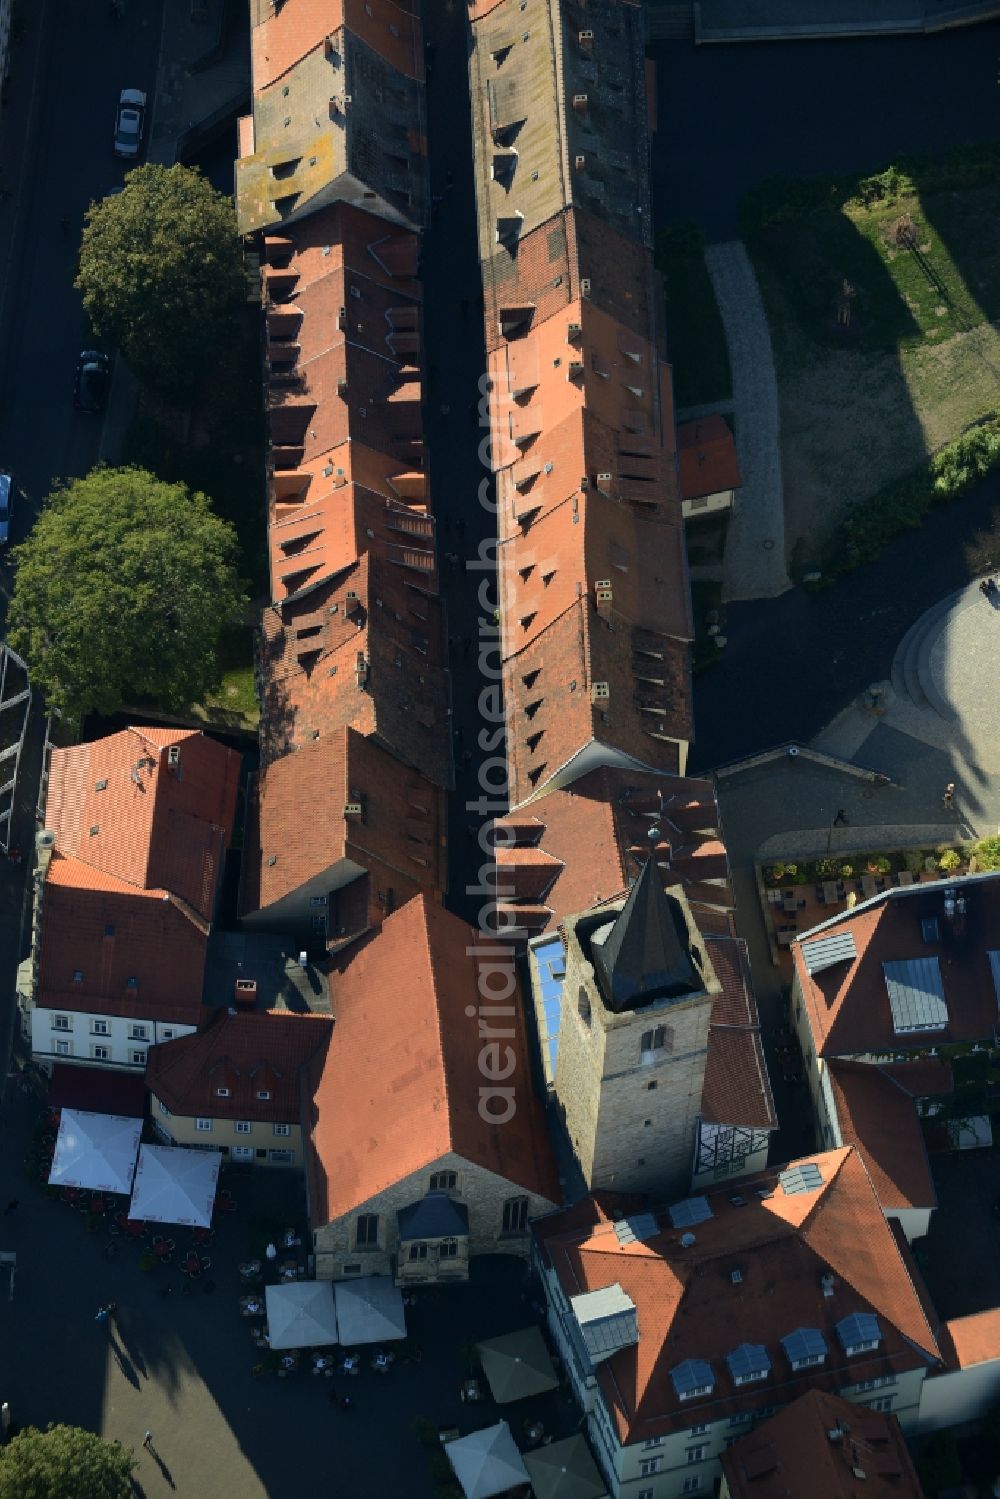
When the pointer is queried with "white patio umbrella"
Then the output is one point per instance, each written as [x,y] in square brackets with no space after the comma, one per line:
[564,1470]
[517,1365]
[302,1314]
[487,1462]
[95,1151]
[174,1185]
[369,1310]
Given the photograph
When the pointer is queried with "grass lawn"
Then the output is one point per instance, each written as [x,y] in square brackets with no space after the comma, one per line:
[695,339]
[882,310]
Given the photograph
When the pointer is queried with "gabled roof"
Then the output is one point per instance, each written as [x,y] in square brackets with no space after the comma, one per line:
[880,1119]
[849,1006]
[706,454]
[138,953]
[394,1095]
[153,807]
[365,651]
[254,1053]
[825,1445]
[690,1307]
[611,813]
[300,826]
[285,33]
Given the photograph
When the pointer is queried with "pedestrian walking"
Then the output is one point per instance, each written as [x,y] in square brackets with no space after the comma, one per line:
[147,1440]
[840,821]
[11,1207]
[948,799]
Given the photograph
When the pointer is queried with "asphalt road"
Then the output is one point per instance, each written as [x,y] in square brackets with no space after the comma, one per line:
[55,159]
[729,117]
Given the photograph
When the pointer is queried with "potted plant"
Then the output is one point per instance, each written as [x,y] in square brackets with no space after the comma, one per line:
[949,861]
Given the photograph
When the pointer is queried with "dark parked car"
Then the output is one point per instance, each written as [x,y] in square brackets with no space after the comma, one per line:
[6,506]
[93,376]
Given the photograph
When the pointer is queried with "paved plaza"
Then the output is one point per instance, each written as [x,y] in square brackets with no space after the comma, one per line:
[180,1365]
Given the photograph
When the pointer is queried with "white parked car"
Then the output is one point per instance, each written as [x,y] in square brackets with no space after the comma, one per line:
[130,121]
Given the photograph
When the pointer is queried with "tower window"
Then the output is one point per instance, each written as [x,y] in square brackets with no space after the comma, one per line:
[583,1005]
[661,1038]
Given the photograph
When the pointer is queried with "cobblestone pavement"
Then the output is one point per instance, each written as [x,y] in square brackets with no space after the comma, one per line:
[754,562]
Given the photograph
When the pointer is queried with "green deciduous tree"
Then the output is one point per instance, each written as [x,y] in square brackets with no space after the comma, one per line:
[122,592]
[64,1462]
[162,275]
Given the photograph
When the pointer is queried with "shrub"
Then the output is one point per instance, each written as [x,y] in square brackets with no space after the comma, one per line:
[878,864]
[776,873]
[930,864]
[791,871]
[951,859]
[913,860]
[987,852]
[825,869]
[846,871]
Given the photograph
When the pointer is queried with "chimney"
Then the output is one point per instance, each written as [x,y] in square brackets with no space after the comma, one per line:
[246,991]
[604,595]
[586,40]
[580,103]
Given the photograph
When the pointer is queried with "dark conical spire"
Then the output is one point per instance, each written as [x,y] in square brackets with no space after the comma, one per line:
[647,954]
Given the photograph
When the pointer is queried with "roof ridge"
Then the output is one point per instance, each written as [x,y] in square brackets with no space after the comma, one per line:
[424,905]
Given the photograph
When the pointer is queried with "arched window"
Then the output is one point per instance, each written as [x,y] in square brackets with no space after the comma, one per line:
[583,1005]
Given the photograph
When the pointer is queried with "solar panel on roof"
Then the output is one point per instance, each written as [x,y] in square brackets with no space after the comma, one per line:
[825,952]
[692,1375]
[748,1361]
[916,995]
[691,1210]
[637,1229]
[804,1178]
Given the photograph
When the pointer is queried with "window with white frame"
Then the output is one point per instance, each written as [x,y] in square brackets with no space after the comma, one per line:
[881,1403]
[448,1249]
[654,1042]
[692,1484]
[137,1058]
[281,1129]
[418,1251]
[366,1231]
[741,1419]
[652,1442]
[317,900]
[138,1033]
[244,1127]
[263,1094]
[101,1053]
[872,1384]
[696,1454]
[64,1048]
[203,1124]
[282,1157]
[644,1494]
[167,1035]
[222,1092]
[242,1152]
[443,1181]
[100,1028]
[61,1023]
[698,1431]
[515,1216]
[649,1465]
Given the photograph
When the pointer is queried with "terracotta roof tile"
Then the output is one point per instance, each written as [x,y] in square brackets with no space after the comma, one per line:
[109,932]
[796,1452]
[263,1052]
[972,1340]
[880,1119]
[848,1004]
[303,831]
[119,805]
[706,450]
[393,1096]
[364,650]
[688,1306]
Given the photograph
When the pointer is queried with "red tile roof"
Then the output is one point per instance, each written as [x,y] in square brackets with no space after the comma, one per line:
[110,932]
[848,1004]
[248,1054]
[283,34]
[972,1340]
[880,1119]
[119,805]
[399,1088]
[301,831]
[610,813]
[736,1089]
[314,685]
[706,452]
[821,1444]
[689,1308]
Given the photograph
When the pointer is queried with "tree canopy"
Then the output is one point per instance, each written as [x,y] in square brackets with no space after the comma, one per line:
[161,274]
[122,592]
[64,1462]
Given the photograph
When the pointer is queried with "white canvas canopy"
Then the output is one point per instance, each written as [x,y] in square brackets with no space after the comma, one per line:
[174,1185]
[369,1310]
[302,1314]
[95,1151]
[487,1462]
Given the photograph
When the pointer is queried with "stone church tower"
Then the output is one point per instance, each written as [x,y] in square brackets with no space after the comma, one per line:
[633,1039]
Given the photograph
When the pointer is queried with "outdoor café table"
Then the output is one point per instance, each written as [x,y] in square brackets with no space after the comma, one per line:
[350,1363]
[470,1390]
[382,1362]
[191,1263]
[289,1272]
[322,1365]
[250,1268]
[250,1306]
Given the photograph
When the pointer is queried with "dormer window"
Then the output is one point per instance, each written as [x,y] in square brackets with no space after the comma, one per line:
[748,1363]
[263,1094]
[805,1348]
[692,1378]
[859,1333]
[222,1092]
